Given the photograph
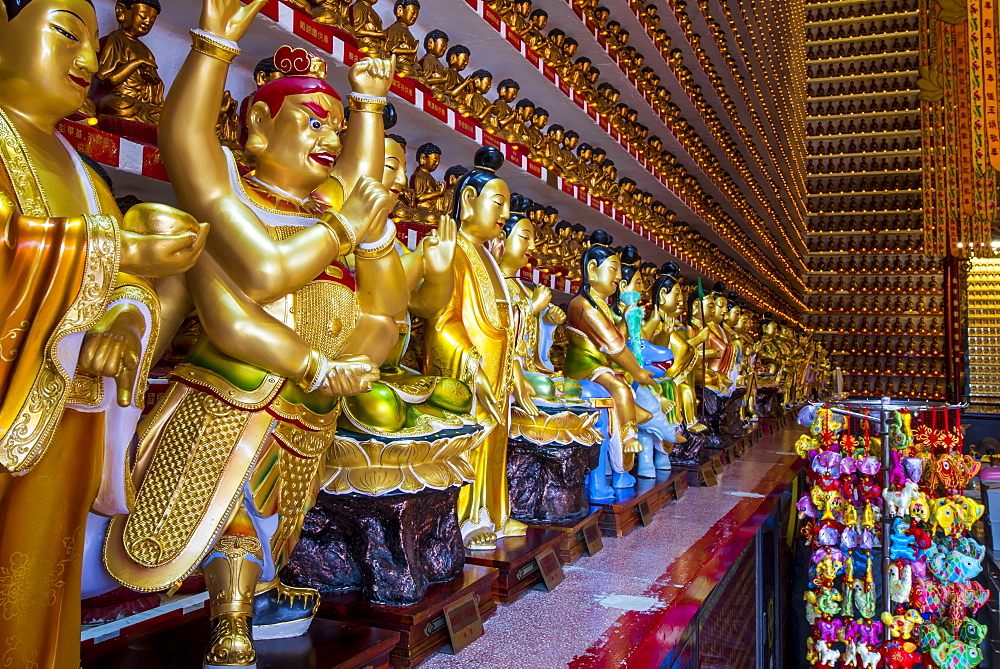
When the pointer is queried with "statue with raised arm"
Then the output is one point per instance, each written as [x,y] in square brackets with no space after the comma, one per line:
[287,331]
[74,310]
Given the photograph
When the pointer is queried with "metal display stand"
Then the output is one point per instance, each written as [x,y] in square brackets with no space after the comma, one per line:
[883,406]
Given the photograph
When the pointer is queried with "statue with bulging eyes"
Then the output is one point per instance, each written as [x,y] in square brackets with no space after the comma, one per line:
[289,329]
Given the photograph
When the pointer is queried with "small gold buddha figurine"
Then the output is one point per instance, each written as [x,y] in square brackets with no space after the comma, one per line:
[480,83]
[399,41]
[433,71]
[533,137]
[366,26]
[501,117]
[451,177]
[455,84]
[127,84]
[329,12]
[427,190]
[228,125]
[549,151]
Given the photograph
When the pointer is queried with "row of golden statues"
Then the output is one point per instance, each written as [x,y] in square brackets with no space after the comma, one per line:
[875,285]
[128,94]
[305,301]
[870,305]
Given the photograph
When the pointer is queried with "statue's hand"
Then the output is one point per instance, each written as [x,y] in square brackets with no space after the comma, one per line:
[540,298]
[372,76]
[350,375]
[484,395]
[645,378]
[523,393]
[229,19]
[367,208]
[158,240]
[113,348]
[439,246]
[555,315]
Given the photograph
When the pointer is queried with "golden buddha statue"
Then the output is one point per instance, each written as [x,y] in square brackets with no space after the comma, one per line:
[451,177]
[455,84]
[501,118]
[475,102]
[434,73]
[471,339]
[400,42]
[76,311]
[128,86]
[664,328]
[329,12]
[287,331]
[366,26]
[701,315]
[534,139]
[595,343]
[427,190]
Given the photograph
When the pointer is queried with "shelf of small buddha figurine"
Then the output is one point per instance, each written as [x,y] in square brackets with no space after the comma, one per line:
[892,374]
[909,53]
[854,20]
[730,78]
[688,103]
[647,21]
[587,33]
[421,112]
[866,39]
[866,114]
[889,354]
[533,69]
[863,77]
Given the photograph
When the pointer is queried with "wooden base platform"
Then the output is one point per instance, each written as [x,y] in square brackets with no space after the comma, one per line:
[516,560]
[574,543]
[421,627]
[327,645]
[623,515]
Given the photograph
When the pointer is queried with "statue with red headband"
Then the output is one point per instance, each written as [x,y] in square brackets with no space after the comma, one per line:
[228,461]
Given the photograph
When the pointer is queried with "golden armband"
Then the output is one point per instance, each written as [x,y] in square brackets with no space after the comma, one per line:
[380,248]
[212,46]
[317,368]
[342,233]
[358,102]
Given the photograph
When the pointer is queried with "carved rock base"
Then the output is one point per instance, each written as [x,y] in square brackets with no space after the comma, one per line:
[769,400]
[547,482]
[391,547]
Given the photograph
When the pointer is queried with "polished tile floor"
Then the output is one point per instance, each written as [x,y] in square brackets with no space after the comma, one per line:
[636,596]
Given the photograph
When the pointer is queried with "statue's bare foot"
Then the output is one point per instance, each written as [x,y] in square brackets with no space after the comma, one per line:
[631,445]
[482,539]
[697,428]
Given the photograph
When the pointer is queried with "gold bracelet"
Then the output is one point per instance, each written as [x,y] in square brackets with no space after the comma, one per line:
[342,232]
[314,369]
[380,251]
[370,106]
[212,48]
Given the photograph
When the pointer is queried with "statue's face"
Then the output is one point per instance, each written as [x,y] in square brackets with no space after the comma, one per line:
[524,114]
[136,20]
[519,244]
[570,142]
[482,214]
[604,278]
[458,61]
[430,161]
[733,317]
[48,55]
[538,21]
[570,49]
[394,172]
[539,120]
[585,155]
[436,47]
[508,94]
[408,14]
[483,84]
[637,283]
[556,135]
[301,142]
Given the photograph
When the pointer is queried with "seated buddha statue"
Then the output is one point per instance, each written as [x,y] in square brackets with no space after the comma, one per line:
[400,42]
[501,118]
[595,343]
[366,26]
[434,73]
[427,191]
[127,85]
